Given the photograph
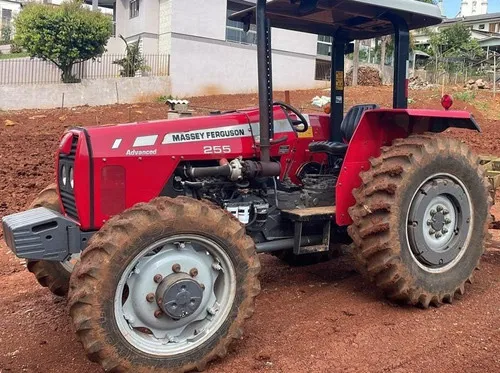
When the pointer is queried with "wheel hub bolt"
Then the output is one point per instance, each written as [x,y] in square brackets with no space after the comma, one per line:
[176,268]
[439,208]
[438,235]
[445,230]
[193,272]
[445,212]
[158,314]
[150,297]
[433,212]
[431,231]
[158,278]
[429,222]
[447,220]
[202,286]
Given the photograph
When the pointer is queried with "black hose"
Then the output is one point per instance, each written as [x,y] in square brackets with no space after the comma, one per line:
[196,172]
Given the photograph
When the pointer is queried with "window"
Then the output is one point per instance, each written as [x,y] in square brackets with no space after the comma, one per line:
[235,30]
[6,16]
[323,70]
[481,27]
[134,8]
[324,45]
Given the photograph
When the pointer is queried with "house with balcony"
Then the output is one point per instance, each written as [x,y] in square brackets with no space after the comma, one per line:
[485,28]
[206,52]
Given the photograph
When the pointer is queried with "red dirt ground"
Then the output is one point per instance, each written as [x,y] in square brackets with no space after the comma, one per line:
[322,318]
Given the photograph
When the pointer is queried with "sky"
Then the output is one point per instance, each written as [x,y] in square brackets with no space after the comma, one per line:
[452,7]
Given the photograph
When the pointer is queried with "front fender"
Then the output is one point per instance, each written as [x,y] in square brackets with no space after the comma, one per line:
[378,128]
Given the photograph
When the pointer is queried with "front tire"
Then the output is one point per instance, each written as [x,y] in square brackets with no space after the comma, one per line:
[164,287]
[420,219]
[52,275]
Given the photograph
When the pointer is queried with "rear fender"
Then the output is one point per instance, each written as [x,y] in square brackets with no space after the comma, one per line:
[378,128]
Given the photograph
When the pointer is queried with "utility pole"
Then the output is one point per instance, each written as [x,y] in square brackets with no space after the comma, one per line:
[495,74]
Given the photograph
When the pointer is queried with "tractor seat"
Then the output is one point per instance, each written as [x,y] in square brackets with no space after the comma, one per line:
[347,129]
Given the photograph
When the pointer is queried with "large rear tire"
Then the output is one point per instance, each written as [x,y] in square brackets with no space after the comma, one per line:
[420,219]
[164,287]
[52,275]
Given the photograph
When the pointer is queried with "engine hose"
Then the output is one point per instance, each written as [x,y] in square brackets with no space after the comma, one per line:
[197,172]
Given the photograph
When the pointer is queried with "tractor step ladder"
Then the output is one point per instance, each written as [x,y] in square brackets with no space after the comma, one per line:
[314,214]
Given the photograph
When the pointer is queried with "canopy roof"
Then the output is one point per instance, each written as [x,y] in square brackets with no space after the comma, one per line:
[347,19]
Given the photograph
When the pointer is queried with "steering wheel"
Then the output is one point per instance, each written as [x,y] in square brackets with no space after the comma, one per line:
[295,123]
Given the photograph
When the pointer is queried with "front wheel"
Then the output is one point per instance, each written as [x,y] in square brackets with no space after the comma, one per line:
[164,286]
[420,219]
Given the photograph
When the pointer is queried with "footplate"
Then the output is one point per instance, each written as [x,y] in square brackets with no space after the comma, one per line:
[43,234]
[324,214]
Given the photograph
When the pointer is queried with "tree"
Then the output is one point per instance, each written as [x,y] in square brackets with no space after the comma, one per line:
[455,41]
[65,35]
[133,61]
[5,34]
[355,64]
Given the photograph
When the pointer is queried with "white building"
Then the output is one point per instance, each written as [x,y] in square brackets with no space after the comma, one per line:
[473,8]
[207,53]
[485,28]
[8,9]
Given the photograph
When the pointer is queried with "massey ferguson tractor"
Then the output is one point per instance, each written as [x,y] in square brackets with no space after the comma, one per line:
[154,228]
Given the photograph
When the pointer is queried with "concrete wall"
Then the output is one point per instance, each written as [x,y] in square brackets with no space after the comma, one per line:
[89,92]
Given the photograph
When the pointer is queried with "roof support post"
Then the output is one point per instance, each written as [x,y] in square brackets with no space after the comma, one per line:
[401,62]
[337,89]
[264,59]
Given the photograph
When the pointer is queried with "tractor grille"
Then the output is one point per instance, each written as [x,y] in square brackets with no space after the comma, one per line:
[66,163]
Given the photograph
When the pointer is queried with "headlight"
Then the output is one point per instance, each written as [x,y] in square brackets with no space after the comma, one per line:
[71,178]
[64,175]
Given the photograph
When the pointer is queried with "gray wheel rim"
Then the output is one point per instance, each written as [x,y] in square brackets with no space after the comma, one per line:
[137,307]
[440,223]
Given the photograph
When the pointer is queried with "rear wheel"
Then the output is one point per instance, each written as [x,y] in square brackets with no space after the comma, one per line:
[53,275]
[420,219]
[164,286]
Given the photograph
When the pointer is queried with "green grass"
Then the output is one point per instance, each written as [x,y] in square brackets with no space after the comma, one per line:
[8,56]
[163,99]
[465,96]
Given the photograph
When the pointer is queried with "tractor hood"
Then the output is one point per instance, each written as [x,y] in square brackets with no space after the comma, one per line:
[178,137]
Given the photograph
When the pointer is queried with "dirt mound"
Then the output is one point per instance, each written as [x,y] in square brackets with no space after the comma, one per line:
[367,76]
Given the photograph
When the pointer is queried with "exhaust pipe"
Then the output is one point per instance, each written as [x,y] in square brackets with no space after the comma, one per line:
[265,80]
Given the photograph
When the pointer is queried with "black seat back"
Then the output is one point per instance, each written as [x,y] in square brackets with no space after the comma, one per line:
[352,119]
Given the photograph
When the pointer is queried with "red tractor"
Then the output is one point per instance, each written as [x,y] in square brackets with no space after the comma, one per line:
[169,216]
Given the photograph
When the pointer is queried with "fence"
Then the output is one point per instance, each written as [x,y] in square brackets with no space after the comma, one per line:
[37,71]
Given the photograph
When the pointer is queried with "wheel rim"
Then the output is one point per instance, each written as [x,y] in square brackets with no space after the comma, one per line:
[69,264]
[440,223]
[175,295]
